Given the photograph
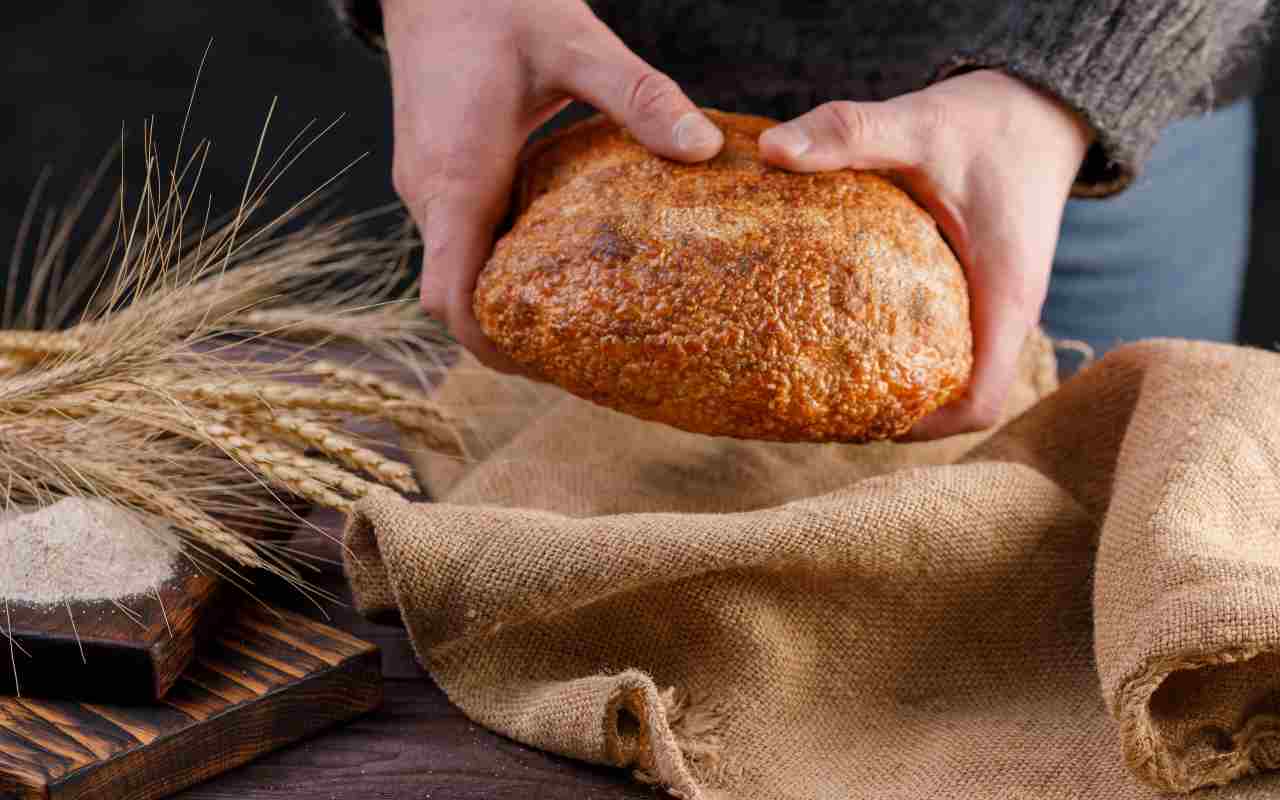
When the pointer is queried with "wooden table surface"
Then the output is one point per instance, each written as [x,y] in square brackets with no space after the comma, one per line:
[417,746]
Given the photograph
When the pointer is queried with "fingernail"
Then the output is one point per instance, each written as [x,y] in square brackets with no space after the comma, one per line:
[791,141]
[695,132]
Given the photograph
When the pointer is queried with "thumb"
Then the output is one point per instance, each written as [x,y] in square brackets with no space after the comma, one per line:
[602,71]
[836,135]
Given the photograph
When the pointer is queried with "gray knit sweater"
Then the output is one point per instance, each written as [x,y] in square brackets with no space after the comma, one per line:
[1130,67]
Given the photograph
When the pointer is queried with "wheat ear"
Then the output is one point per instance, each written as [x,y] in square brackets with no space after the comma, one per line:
[31,346]
[416,416]
[342,449]
[270,462]
[360,379]
[204,529]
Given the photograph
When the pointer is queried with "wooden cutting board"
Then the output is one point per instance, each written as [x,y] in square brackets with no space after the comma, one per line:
[265,678]
[142,642]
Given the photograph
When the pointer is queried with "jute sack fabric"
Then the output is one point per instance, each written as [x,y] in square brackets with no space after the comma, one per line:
[1084,605]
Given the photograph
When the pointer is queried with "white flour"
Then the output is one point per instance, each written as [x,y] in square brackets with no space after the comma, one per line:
[82,549]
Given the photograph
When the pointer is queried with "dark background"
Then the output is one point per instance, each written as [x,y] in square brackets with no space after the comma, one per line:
[76,73]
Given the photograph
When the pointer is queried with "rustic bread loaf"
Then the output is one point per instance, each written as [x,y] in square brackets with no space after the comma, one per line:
[726,298]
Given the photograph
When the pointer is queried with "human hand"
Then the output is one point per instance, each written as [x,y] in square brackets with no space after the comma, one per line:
[993,160]
[470,81]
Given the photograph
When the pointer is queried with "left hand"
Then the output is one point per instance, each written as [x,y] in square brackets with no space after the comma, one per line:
[993,160]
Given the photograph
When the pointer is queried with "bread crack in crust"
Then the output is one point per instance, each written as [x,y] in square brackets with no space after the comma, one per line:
[727,298]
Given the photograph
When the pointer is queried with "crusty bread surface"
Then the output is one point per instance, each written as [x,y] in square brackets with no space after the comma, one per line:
[727,298]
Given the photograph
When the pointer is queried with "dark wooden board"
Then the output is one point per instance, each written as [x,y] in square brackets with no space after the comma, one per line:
[143,643]
[418,746]
[263,679]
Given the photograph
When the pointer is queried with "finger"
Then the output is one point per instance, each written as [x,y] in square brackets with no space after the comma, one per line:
[1003,312]
[457,242]
[599,69]
[457,193]
[997,348]
[841,134]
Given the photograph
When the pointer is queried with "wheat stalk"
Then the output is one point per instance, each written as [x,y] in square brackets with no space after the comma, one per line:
[344,450]
[419,417]
[32,346]
[274,464]
[120,377]
[359,379]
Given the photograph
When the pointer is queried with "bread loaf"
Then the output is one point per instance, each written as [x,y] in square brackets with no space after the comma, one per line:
[726,298]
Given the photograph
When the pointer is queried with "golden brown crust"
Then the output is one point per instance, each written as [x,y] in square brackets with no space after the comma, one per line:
[727,298]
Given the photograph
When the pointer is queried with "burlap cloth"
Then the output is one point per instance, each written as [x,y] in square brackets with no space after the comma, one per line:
[1084,605]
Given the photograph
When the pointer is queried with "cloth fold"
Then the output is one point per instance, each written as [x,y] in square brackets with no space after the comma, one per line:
[1082,604]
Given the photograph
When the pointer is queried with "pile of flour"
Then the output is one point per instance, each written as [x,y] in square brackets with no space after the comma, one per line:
[82,549]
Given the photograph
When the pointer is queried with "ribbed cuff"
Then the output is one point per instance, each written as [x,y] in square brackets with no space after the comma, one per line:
[1129,69]
[362,19]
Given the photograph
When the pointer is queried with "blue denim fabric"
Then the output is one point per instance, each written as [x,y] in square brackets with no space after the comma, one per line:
[1167,256]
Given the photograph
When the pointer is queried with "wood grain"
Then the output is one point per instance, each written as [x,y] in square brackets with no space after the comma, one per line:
[267,678]
[417,746]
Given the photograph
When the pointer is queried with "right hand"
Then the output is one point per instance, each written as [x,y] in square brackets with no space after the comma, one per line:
[470,81]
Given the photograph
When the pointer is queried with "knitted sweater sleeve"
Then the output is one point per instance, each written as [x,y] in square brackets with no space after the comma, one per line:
[1129,67]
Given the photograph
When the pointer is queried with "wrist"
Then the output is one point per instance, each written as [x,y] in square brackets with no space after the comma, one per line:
[1055,126]
[1076,129]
